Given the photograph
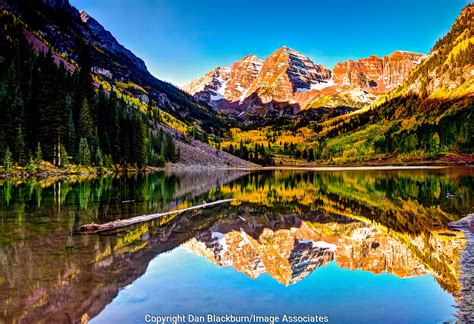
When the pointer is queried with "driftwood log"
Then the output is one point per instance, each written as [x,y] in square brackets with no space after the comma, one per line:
[96,228]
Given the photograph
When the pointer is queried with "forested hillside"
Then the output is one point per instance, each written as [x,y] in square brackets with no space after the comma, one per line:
[432,111]
[49,113]
[57,25]
[60,104]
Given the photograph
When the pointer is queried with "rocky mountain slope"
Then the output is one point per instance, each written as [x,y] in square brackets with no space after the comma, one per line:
[76,40]
[56,25]
[226,83]
[450,65]
[402,117]
[376,74]
[288,81]
[431,112]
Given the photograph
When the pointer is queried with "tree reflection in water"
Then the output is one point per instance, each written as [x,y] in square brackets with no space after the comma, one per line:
[285,223]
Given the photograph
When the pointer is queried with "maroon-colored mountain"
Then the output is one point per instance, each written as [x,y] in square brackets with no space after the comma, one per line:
[288,81]
[376,74]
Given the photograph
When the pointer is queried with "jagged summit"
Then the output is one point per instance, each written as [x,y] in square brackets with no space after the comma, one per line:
[276,79]
[289,77]
[376,74]
[285,72]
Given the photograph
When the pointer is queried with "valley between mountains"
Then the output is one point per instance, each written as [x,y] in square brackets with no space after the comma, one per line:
[75,100]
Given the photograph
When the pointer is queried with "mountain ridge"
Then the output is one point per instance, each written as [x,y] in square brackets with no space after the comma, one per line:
[288,76]
[141,106]
[69,31]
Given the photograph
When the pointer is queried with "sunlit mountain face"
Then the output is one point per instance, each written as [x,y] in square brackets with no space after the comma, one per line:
[283,232]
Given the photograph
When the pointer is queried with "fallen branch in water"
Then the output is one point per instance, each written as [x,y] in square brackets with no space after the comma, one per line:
[96,228]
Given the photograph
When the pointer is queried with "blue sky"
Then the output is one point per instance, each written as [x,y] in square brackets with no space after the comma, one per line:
[180,40]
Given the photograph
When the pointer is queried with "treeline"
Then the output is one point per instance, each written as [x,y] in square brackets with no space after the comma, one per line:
[453,132]
[309,154]
[50,113]
[450,132]
[256,154]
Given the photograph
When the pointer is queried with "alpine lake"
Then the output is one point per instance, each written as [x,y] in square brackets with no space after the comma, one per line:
[349,246]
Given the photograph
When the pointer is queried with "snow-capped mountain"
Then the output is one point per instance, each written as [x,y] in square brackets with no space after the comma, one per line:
[285,72]
[228,83]
[251,82]
[211,87]
[288,81]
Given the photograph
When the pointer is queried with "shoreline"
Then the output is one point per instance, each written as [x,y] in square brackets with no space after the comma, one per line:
[200,168]
[466,267]
[349,168]
[52,172]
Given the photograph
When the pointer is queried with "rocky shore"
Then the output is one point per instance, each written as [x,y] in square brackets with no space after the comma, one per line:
[466,304]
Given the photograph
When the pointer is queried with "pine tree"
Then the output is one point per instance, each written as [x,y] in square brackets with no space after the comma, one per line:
[113,126]
[85,84]
[83,153]
[31,167]
[39,153]
[99,159]
[71,139]
[86,125]
[411,142]
[435,141]
[108,162]
[64,156]
[305,155]
[204,137]
[141,147]
[16,133]
[159,140]
[310,155]
[168,148]
[7,160]
[20,146]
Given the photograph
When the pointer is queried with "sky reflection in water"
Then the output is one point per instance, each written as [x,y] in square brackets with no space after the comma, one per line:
[356,246]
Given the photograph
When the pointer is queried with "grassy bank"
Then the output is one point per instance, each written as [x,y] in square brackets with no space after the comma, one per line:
[442,159]
[47,169]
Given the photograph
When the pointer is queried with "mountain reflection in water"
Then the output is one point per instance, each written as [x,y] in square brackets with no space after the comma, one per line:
[283,223]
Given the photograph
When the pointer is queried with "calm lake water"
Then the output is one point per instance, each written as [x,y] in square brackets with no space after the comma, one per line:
[356,246]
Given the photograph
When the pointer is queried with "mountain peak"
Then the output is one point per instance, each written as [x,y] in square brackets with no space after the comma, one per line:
[250,58]
[289,51]
[287,71]
[84,16]
[288,76]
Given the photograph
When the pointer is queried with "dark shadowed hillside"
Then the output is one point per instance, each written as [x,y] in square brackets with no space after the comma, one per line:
[71,94]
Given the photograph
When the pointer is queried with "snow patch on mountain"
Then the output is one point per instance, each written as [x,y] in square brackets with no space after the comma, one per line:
[323,84]
[219,93]
[317,85]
